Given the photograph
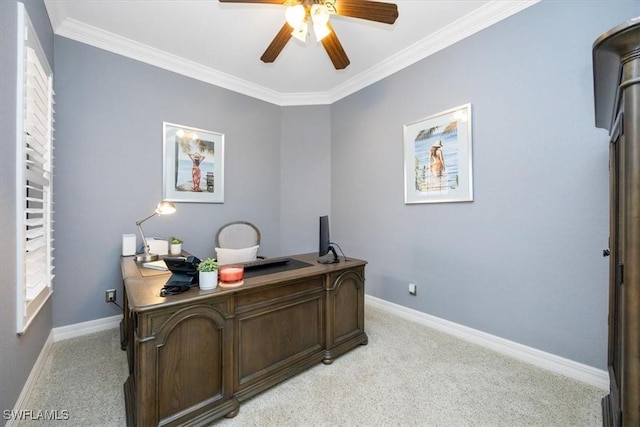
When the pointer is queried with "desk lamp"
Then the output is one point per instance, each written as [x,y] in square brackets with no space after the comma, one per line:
[163,208]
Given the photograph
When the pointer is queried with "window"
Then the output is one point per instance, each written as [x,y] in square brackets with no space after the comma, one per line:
[34,170]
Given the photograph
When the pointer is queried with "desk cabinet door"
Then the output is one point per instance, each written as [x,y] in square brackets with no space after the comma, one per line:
[345,313]
[186,370]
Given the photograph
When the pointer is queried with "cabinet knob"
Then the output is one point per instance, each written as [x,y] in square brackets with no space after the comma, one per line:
[606,252]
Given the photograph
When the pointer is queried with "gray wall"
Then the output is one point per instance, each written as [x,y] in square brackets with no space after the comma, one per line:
[305,174]
[109,115]
[524,260]
[17,353]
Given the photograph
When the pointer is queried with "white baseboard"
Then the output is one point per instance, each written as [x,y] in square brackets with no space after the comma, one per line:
[31,380]
[569,368]
[85,328]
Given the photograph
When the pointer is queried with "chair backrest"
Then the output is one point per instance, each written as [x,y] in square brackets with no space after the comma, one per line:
[238,235]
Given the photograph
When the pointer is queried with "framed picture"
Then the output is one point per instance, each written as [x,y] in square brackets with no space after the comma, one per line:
[193,165]
[437,158]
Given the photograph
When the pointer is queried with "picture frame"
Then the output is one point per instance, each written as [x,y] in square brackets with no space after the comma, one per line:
[193,164]
[438,158]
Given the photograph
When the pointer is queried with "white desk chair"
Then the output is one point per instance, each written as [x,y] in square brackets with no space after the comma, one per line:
[237,242]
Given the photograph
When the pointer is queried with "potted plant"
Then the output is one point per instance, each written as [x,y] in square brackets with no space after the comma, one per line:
[208,274]
[176,245]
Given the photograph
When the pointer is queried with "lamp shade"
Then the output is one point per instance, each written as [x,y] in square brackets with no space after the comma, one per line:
[300,32]
[320,19]
[165,208]
[321,31]
[295,15]
[319,14]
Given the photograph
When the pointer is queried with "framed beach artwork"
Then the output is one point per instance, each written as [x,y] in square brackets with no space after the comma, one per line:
[193,164]
[437,158]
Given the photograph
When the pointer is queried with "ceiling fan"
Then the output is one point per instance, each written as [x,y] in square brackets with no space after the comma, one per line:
[301,13]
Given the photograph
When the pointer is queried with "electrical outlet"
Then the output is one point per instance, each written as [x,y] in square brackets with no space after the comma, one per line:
[413,289]
[110,295]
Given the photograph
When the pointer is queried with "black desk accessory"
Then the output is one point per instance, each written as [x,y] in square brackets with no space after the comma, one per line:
[184,274]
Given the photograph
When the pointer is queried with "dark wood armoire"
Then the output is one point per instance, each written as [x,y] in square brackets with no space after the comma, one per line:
[616,67]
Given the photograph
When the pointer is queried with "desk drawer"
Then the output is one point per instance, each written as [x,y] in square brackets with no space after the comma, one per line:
[251,300]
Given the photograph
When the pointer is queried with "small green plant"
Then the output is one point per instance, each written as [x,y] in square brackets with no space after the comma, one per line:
[175,240]
[208,264]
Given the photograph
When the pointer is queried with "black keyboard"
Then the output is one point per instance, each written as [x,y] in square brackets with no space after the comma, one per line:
[265,262]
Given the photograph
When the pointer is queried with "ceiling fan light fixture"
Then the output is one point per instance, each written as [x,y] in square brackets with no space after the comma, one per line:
[300,32]
[320,19]
[300,14]
[321,31]
[319,14]
[295,15]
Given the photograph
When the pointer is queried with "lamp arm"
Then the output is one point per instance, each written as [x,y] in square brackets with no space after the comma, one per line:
[144,240]
[143,220]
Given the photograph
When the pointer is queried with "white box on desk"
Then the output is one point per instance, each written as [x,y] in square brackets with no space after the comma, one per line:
[158,246]
[128,244]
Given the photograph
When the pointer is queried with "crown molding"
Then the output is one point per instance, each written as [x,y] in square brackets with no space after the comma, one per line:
[466,26]
[111,42]
[57,12]
[479,19]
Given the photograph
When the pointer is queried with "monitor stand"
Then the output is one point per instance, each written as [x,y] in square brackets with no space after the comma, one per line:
[330,260]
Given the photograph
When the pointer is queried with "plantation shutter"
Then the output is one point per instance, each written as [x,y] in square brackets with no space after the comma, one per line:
[34,170]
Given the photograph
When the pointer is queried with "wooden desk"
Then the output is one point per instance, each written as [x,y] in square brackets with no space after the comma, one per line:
[195,356]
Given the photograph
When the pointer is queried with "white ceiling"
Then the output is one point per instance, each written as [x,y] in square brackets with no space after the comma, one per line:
[221,43]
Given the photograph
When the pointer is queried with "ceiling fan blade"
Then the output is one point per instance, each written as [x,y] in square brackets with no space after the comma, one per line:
[277,44]
[253,1]
[386,13]
[335,51]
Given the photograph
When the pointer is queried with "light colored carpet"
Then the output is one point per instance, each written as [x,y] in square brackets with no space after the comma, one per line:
[408,375]
[85,377]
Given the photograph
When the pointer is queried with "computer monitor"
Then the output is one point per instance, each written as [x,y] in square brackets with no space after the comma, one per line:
[325,246]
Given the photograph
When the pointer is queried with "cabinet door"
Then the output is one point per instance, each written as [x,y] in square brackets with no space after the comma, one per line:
[345,313]
[622,405]
[186,369]
[616,243]
[629,304]
[279,333]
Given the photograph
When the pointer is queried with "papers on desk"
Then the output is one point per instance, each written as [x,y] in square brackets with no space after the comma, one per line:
[156,265]
[158,246]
